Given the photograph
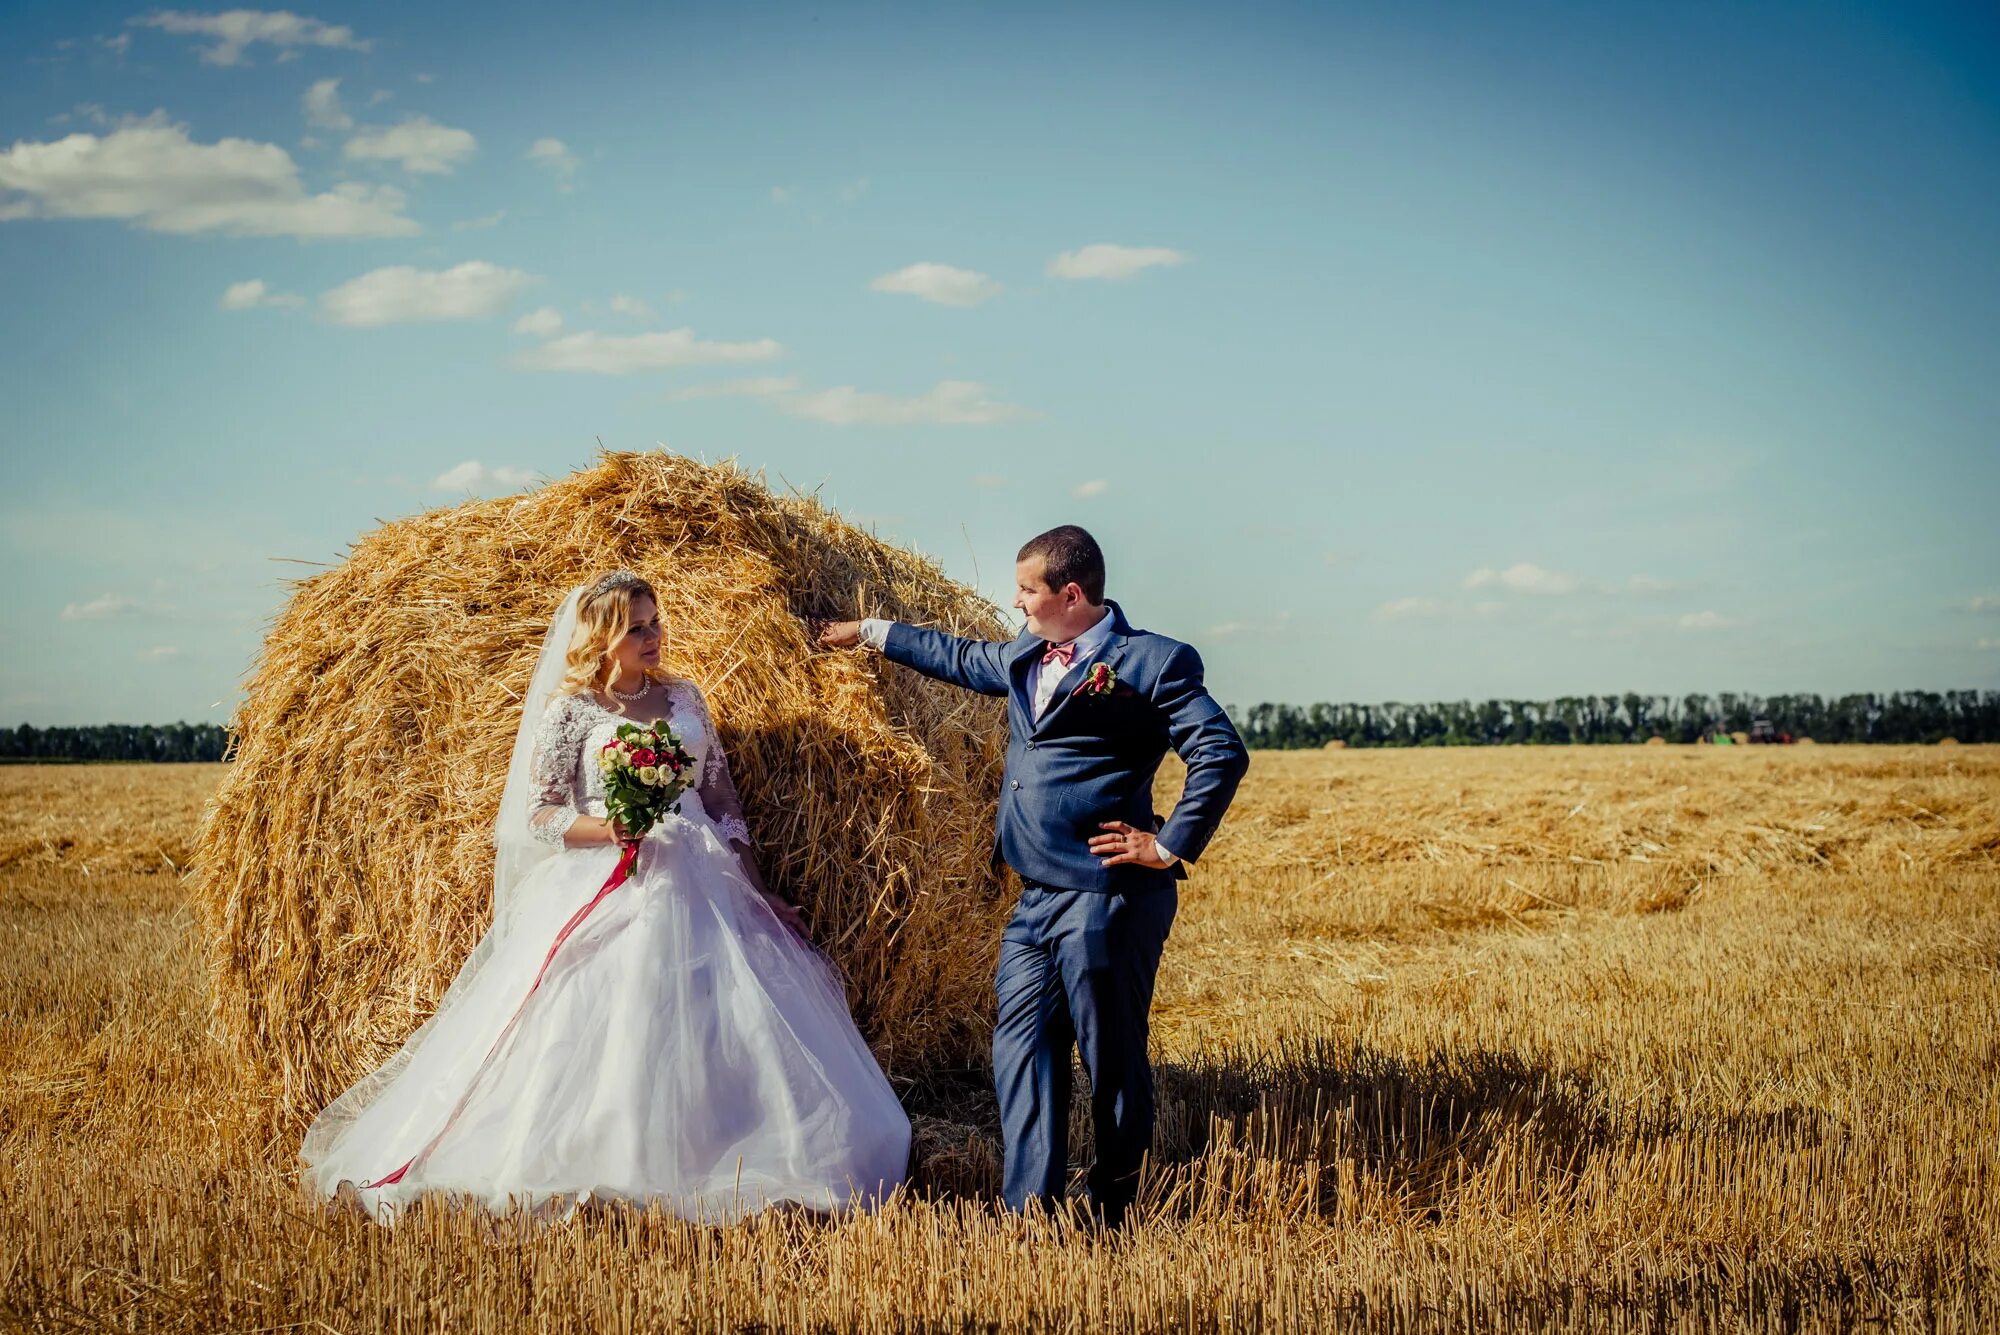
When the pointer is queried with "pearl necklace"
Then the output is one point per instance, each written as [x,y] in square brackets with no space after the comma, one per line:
[645,684]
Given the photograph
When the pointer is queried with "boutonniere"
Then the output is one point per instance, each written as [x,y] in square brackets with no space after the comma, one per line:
[1101,680]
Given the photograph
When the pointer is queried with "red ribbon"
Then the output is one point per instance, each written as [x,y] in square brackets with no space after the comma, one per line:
[619,875]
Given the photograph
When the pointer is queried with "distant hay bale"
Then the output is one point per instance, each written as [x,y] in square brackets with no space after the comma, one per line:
[344,869]
[1803,741]
[1947,741]
[1656,741]
[1335,745]
[1740,738]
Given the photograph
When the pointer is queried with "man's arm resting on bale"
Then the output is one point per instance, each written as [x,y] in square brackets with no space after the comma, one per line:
[977,665]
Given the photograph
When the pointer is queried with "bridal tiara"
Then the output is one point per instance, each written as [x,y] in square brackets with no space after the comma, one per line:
[617,579]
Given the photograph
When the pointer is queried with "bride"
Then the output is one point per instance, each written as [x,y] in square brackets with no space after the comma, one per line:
[675,1037]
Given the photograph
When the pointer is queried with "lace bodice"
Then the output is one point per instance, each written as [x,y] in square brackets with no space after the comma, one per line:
[567,782]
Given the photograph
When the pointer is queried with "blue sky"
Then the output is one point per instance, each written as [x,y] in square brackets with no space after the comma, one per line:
[1401,352]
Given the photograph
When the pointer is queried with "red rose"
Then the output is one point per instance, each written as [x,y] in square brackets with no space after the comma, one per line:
[643,757]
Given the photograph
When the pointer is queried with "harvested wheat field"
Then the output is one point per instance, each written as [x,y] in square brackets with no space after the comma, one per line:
[1647,1038]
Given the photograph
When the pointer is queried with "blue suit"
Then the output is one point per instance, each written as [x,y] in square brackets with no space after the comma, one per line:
[1079,955]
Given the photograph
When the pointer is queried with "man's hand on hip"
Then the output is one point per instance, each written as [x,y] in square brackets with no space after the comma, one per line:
[1126,843]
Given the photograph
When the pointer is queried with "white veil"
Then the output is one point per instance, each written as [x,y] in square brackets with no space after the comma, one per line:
[516,851]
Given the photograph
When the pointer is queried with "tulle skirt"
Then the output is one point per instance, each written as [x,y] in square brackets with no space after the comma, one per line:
[682,1046]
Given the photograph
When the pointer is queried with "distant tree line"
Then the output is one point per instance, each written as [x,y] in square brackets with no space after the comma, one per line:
[1901,716]
[115,741]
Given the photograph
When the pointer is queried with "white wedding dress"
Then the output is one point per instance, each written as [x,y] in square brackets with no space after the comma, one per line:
[682,1043]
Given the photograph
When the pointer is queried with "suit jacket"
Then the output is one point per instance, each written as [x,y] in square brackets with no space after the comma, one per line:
[1092,758]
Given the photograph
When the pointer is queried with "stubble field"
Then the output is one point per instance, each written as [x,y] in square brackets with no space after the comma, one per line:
[1649,1038]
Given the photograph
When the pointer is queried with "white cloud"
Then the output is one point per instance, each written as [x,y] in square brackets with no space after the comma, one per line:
[323,109]
[1410,609]
[1441,608]
[625,304]
[101,608]
[1085,490]
[152,175]
[555,155]
[541,323]
[235,29]
[253,293]
[89,111]
[1706,620]
[948,403]
[813,200]
[1401,609]
[1644,584]
[1275,626]
[475,476]
[1522,577]
[1988,644]
[611,354]
[400,294]
[989,481]
[420,144]
[158,652]
[940,283]
[1983,602]
[1108,261]
[490,220]
[761,387]
[117,45]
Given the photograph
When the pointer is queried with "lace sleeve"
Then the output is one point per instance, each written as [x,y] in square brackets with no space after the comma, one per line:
[717,789]
[551,806]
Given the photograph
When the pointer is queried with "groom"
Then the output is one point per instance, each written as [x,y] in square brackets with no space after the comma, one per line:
[1092,706]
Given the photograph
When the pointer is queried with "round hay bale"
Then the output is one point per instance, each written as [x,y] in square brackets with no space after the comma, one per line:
[1947,741]
[1803,741]
[1740,738]
[345,865]
[1656,741]
[1335,745]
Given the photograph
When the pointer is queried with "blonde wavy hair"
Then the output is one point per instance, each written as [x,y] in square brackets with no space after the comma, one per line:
[603,615]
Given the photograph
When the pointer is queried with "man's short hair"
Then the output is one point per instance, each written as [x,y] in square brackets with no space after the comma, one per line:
[1068,555]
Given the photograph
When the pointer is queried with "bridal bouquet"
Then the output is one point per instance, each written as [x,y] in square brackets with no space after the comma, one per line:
[646,769]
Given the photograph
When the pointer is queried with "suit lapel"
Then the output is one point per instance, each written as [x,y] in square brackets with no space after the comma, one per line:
[1113,652]
[1017,672]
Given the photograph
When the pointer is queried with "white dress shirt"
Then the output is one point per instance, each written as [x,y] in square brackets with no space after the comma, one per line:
[1041,684]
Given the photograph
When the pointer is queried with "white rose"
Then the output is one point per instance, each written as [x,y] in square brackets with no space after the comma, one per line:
[650,774]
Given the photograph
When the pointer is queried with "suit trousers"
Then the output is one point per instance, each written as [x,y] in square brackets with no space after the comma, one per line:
[1076,972]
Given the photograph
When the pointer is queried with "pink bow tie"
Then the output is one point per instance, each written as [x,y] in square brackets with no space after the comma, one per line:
[1060,653]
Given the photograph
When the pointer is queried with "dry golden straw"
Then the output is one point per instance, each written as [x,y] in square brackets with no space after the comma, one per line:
[1503,1077]
[345,870]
